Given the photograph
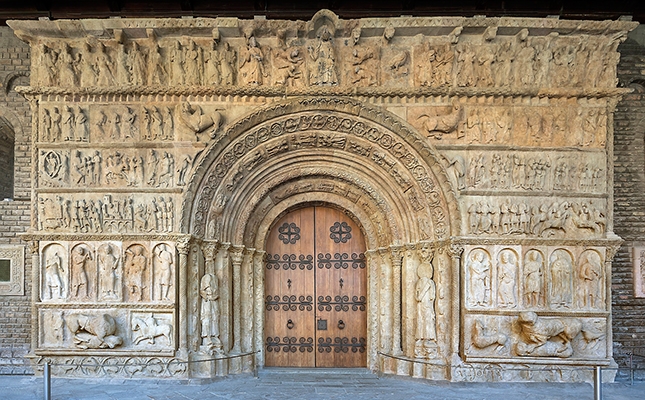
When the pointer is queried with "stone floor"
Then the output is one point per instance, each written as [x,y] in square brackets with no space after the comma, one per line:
[319,384]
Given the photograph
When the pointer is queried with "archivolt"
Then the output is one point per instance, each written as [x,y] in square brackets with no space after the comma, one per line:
[327,148]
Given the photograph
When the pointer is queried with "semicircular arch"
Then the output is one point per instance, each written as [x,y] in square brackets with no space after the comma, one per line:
[365,149]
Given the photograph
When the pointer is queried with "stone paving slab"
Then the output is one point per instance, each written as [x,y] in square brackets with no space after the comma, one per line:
[281,385]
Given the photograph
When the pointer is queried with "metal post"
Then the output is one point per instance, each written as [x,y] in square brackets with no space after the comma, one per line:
[631,369]
[47,375]
[597,383]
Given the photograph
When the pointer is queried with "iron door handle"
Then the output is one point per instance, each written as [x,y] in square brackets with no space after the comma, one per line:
[341,324]
[290,324]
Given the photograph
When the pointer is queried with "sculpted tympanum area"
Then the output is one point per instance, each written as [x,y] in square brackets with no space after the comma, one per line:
[421,196]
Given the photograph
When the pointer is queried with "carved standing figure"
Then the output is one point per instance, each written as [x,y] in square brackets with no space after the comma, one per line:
[66,67]
[533,278]
[561,292]
[479,283]
[138,66]
[506,273]
[251,64]
[194,64]
[136,266]
[80,256]
[226,63]
[163,271]
[108,266]
[57,132]
[323,71]
[590,278]
[53,269]
[425,295]
[209,292]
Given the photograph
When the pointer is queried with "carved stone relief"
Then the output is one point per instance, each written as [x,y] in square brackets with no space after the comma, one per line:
[122,119]
[465,122]
[152,330]
[96,213]
[529,335]
[532,218]
[163,272]
[534,278]
[14,283]
[527,172]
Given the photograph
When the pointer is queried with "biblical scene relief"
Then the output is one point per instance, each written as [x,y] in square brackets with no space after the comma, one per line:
[101,273]
[485,209]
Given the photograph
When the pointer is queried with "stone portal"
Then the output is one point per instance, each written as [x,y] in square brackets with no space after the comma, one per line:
[474,155]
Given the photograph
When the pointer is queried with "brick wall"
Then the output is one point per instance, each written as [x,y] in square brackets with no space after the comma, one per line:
[15,115]
[629,206]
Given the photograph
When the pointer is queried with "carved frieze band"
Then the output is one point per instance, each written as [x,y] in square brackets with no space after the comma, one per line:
[336,52]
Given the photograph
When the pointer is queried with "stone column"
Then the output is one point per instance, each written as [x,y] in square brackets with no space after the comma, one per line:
[247,300]
[35,292]
[456,250]
[385,307]
[237,256]
[258,304]
[223,272]
[373,309]
[396,253]
[183,247]
[609,257]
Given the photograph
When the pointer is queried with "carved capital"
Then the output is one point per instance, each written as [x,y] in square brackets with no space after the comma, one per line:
[611,252]
[456,250]
[34,246]
[396,253]
[237,254]
[183,245]
[210,250]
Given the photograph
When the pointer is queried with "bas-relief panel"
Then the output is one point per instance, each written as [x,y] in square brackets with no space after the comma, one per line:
[534,217]
[526,171]
[567,279]
[107,296]
[109,271]
[120,330]
[514,123]
[534,301]
[326,58]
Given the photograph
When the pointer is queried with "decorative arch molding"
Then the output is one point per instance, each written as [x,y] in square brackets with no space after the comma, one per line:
[238,171]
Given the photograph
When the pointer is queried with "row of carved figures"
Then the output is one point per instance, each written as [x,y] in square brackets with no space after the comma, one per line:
[559,282]
[518,61]
[534,126]
[106,272]
[573,219]
[100,330]
[124,123]
[526,172]
[106,214]
[113,168]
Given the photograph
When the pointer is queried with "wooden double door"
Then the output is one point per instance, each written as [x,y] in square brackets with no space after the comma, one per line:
[315,291]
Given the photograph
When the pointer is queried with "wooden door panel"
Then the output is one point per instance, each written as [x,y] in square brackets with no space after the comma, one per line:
[340,290]
[315,291]
[289,287]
